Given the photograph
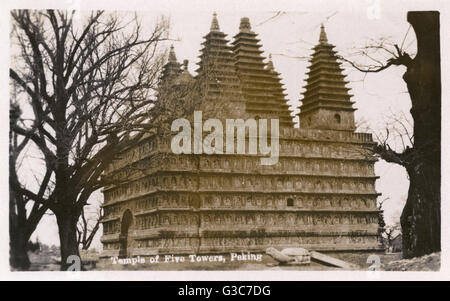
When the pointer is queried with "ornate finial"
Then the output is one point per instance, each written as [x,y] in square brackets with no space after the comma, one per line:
[323,36]
[270,63]
[215,23]
[185,77]
[172,56]
[245,25]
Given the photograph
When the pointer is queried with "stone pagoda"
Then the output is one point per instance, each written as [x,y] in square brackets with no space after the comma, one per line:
[220,85]
[172,69]
[326,102]
[261,85]
[319,196]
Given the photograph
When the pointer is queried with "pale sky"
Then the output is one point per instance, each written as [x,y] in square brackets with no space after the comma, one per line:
[288,36]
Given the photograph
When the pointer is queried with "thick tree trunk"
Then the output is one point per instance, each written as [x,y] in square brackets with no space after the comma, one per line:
[18,238]
[18,249]
[421,218]
[67,225]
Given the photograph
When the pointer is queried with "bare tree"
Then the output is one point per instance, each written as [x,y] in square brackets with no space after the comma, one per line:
[389,233]
[386,232]
[88,227]
[21,222]
[89,87]
[381,221]
[421,216]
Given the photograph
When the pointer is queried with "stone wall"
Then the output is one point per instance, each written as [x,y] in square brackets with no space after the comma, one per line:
[321,195]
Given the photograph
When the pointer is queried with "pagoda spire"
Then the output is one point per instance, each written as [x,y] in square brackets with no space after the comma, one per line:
[245,26]
[326,102]
[185,78]
[215,23]
[185,65]
[172,56]
[261,84]
[270,66]
[323,36]
[170,70]
[216,69]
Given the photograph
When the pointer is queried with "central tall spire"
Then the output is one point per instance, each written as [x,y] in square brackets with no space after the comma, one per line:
[323,36]
[215,23]
[261,85]
[217,72]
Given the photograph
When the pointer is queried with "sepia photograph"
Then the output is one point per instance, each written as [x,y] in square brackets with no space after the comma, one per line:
[222,136]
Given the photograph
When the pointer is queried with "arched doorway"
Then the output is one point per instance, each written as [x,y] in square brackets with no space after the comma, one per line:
[125,228]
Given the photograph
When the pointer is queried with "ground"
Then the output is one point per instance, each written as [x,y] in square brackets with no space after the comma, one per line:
[44,260]
[389,262]
[431,262]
